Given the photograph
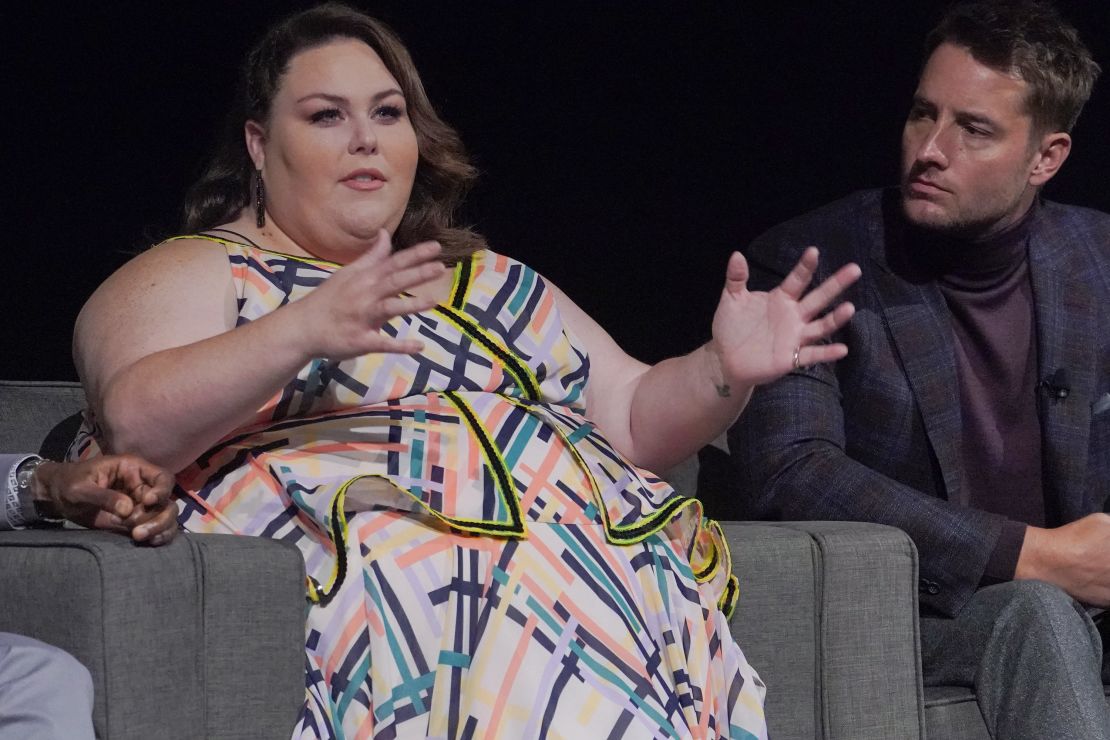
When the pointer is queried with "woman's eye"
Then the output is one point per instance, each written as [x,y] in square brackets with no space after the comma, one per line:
[326,116]
[388,112]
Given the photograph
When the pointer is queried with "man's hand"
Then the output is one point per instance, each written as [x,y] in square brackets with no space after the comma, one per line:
[121,493]
[1075,557]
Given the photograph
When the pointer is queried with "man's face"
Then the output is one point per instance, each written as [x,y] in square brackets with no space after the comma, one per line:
[967,147]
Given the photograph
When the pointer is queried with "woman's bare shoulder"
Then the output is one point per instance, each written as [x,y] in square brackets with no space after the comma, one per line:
[176,292]
[176,266]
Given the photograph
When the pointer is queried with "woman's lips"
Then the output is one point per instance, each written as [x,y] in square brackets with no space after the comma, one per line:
[364,180]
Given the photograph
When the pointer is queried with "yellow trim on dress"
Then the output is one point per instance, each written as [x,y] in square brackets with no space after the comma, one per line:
[232,243]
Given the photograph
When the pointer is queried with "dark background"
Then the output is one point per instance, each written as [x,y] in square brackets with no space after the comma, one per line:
[625,149]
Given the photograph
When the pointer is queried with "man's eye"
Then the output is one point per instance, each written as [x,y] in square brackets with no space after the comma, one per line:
[327,115]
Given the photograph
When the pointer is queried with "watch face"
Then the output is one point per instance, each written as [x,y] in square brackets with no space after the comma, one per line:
[33,510]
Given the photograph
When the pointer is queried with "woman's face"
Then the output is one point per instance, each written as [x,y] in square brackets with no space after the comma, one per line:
[338,155]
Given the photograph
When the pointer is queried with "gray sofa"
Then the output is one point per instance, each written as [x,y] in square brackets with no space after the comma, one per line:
[204,638]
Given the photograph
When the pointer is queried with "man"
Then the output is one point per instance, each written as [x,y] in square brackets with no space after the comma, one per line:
[45,692]
[972,410]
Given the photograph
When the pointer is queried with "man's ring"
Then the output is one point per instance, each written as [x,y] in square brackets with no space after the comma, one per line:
[797,357]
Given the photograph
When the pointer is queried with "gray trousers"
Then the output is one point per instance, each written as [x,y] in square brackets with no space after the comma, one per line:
[45,693]
[1032,655]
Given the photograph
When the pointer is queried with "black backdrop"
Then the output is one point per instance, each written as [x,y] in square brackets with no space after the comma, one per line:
[625,149]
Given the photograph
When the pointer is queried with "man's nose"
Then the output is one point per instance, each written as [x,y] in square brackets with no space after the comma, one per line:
[932,147]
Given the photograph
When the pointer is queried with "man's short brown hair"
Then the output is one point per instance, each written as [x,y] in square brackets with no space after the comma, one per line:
[1031,40]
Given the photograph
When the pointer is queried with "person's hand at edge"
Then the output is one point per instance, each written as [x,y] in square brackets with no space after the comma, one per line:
[119,493]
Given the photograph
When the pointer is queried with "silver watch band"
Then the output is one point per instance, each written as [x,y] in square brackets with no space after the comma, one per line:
[24,473]
[19,505]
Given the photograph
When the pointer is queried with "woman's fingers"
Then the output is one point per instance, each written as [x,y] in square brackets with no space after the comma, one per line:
[416,254]
[359,299]
[815,354]
[397,346]
[404,304]
[407,278]
[795,283]
[736,274]
[825,326]
[821,297]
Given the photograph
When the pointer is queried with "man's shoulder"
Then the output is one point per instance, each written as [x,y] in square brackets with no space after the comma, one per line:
[840,229]
[1077,235]
[1080,217]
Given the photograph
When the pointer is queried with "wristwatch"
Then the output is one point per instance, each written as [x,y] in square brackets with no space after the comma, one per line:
[34,511]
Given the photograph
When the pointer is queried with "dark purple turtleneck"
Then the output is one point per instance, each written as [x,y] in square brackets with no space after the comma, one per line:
[989,294]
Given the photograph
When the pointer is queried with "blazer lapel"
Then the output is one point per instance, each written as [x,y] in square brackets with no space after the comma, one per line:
[1065,319]
[917,319]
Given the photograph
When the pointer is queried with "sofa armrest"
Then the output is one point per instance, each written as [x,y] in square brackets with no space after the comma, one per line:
[828,616]
[200,638]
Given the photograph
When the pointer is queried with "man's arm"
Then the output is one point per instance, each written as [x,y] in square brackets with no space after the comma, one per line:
[788,450]
[793,460]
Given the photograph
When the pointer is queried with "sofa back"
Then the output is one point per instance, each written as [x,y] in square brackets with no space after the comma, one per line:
[38,416]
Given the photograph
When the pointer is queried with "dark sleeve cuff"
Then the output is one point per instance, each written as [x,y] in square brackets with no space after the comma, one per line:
[1004,557]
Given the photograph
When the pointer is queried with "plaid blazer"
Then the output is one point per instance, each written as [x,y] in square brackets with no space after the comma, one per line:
[876,436]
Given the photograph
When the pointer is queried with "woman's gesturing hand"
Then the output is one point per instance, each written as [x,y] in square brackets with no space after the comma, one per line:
[343,317]
[759,337]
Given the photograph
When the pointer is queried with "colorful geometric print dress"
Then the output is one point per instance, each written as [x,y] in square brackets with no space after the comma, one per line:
[482,563]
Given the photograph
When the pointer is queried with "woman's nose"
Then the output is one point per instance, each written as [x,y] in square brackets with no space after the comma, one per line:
[364,140]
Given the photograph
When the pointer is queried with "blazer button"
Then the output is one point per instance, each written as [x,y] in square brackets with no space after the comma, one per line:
[926,586]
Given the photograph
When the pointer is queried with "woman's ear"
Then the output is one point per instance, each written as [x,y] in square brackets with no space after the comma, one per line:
[255,136]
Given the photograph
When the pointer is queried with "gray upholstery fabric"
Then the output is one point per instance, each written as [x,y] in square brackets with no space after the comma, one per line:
[828,616]
[870,646]
[30,409]
[201,638]
[776,622]
[951,713]
[253,609]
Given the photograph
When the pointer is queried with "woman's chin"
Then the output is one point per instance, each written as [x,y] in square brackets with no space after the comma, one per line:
[365,230]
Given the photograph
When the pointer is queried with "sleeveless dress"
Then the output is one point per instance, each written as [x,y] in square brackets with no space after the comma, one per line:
[481,562]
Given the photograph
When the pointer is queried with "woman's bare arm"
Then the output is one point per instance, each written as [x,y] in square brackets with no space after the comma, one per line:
[168,373]
[658,415]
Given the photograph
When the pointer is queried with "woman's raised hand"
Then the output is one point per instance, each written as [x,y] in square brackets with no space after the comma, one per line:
[759,337]
[343,317]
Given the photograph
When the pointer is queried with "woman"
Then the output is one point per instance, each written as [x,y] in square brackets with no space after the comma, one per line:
[459,451]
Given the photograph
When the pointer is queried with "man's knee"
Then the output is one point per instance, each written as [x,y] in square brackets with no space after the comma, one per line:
[1037,599]
[67,675]
[1036,608]
[49,673]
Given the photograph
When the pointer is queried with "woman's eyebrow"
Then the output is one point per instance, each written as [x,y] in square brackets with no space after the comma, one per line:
[340,99]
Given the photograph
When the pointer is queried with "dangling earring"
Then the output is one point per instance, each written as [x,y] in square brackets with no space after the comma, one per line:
[259,199]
